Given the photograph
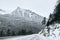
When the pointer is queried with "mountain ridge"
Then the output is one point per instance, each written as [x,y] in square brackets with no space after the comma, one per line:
[21,19]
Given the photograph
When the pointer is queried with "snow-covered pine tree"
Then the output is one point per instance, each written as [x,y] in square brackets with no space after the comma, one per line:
[44,21]
[53,24]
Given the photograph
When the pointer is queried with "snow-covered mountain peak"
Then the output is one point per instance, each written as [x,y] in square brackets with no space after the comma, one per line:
[18,8]
[17,12]
[28,14]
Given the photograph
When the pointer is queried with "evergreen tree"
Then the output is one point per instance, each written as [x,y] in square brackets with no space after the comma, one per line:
[57,14]
[1,33]
[44,21]
[55,17]
[19,33]
[13,33]
[8,32]
[49,20]
[29,32]
[23,32]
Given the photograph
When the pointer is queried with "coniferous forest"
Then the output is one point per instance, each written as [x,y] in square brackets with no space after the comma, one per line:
[8,32]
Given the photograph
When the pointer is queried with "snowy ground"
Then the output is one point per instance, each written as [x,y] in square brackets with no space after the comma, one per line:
[31,37]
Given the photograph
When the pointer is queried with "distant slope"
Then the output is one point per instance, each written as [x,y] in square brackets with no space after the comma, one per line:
[21,19]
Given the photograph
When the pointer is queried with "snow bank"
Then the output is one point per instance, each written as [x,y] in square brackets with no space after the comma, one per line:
[54,32]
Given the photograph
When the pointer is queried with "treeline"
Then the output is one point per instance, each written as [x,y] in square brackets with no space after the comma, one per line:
[4,33]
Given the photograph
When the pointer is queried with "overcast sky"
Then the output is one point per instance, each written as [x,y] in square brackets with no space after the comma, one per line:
[42,7]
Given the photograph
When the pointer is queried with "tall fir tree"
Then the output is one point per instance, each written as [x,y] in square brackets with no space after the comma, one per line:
[1,33]
[19,32]
[55,17]
[13,33]
[49,20]
[44,21]
[23,32]
[8,32]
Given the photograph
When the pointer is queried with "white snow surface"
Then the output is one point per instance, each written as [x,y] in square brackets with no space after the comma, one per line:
[28,37]
[32,37]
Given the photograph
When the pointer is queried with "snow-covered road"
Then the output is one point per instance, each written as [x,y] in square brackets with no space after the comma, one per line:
[31,37]
[28,37]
